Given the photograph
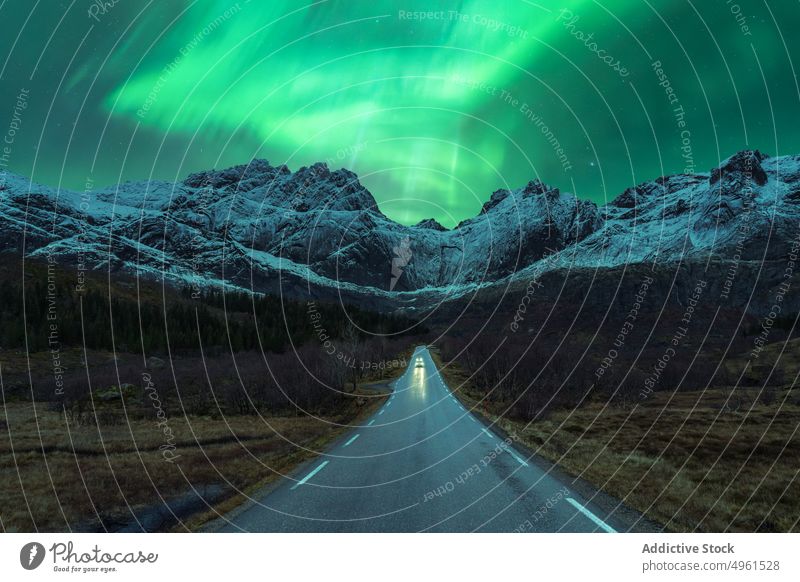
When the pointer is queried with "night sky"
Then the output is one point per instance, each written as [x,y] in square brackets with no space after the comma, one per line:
[434,111]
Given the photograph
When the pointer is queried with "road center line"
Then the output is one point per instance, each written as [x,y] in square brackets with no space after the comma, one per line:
[591,516]
[311,474]
[370,422]
[381,412]
[354,437]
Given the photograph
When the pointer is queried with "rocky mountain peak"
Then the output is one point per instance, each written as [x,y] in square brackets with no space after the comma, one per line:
[243,177]
[430,224]
[496,198]
[537,187]
[310,187]
[745,165]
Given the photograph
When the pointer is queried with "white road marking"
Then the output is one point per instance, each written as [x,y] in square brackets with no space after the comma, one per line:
[472,418]
[381,412]
[370,422]
[591,516]
[311,474]
[354,437]
[519,459]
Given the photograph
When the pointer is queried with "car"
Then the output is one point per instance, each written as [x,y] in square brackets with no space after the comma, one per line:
[419,363]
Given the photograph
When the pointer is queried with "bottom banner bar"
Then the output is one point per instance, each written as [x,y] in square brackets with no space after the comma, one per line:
[354,557]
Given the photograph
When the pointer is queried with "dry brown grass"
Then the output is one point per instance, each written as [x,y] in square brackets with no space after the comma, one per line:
[687,460]
[55,476]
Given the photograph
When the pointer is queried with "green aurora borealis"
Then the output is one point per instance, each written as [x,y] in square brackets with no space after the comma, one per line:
[433,114]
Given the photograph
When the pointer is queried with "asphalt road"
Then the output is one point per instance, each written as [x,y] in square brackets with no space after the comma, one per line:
[421,463]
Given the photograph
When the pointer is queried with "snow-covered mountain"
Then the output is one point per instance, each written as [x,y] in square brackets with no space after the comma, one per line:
[269,229]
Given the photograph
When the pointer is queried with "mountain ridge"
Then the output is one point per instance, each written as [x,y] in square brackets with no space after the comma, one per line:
[267,229]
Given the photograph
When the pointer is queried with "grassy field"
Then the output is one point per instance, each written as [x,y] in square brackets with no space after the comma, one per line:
[712,461]
[56,476]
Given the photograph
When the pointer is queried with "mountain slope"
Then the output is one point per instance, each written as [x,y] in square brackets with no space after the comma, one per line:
[269,229]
